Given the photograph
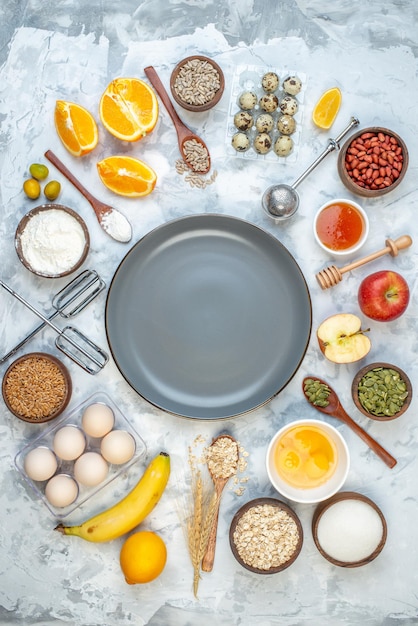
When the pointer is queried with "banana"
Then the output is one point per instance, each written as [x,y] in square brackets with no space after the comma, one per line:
[128,512]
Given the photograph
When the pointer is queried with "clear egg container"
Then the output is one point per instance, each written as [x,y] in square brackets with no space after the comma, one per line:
[74,418]
[248,78]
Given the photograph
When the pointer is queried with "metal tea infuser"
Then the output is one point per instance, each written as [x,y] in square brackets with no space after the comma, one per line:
[70,340]
[71,300]
[282,201]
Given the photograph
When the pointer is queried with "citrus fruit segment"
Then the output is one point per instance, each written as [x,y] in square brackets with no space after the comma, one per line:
[327,107]
[128,108]
[127,176]
[142,557]
[76,127]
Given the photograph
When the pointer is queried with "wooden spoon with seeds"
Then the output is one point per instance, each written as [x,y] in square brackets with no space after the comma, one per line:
[335,409]
[221,473]
[192,148]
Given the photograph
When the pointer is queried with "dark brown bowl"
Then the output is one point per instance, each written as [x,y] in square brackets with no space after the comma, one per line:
[355,391]
[281,506]
[48,207]
[24,390]
[205,106]
[369,191]
[325,506]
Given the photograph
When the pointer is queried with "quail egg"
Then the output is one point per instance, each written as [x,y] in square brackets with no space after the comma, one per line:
[292,85]
[289,105]
[262,143]
[240,142]
[243,120]
[286,124]
[269,102]
[247,100]
[283,146]
[270,82]
[264,123]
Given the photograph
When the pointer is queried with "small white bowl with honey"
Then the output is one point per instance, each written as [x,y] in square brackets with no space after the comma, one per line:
[307,461]
[341,227]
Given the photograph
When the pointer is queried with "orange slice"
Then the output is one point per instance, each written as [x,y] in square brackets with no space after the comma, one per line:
[327,107]
[76,127]
[128,109]
[127,176]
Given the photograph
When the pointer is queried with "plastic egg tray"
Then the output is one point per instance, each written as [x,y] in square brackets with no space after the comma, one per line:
[248,78]
[92,445]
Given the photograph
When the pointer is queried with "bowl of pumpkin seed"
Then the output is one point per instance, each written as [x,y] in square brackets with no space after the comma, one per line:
[381,391]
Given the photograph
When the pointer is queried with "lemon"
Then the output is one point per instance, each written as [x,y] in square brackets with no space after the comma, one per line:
[327,107]
[142,557]
[32,188]
[52,190]
[39,171]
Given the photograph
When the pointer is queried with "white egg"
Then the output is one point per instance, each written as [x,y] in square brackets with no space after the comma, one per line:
[61,490]
[90,469]
[40,463]
[69,442]
[98,419]
[118,447]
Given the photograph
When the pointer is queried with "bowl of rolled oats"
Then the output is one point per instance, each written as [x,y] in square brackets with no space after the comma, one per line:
[197,83]
[265,536]
[36,387]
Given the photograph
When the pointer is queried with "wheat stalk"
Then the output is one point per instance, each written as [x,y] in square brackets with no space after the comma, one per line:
[199,523]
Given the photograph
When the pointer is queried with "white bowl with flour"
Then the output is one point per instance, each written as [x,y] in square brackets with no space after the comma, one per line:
[52,240]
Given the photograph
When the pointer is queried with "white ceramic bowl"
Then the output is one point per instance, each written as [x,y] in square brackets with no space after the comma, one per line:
[365,232]
[313,494]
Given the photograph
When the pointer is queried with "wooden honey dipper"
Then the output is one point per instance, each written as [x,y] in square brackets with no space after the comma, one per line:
[332,275]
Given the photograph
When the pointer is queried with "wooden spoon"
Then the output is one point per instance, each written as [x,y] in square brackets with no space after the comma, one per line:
[111,220]
[334,409]
[184,134]
[219,482]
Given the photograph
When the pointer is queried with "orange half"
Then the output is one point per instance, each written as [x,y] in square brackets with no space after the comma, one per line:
[76,127]
[327,107]
[128,108]
[127,176]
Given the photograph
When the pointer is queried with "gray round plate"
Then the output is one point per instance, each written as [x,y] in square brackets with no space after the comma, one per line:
[208,317]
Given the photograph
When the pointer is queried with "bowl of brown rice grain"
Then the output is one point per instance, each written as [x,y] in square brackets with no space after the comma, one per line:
[197,83]
[265,536]
[36,387]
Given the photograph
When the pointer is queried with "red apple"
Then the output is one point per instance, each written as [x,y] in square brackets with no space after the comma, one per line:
[383,296]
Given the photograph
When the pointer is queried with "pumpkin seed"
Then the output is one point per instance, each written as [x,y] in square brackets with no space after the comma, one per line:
[382,392]
[316,392]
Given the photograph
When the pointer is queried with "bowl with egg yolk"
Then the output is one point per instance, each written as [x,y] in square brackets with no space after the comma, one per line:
[307,461]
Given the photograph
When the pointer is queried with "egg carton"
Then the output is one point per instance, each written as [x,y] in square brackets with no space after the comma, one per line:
[92,445]
[248,78]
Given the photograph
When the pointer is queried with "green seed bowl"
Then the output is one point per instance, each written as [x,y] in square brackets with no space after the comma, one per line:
[378,366]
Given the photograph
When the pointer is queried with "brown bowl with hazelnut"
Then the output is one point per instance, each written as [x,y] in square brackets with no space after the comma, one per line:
[36,387]
[373,161]
[381,391]
[197,83]
[265,536]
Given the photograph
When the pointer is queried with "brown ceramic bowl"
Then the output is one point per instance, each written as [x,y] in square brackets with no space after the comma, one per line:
[281,506]
[196,76]
[344,154]
[346,531]
[368,412]
[23,224]
[27,384]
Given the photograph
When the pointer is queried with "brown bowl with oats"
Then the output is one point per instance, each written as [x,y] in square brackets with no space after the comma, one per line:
[265,536]
[36,387]
[197,83]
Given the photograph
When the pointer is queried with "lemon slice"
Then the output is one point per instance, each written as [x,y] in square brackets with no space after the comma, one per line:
[327,107]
